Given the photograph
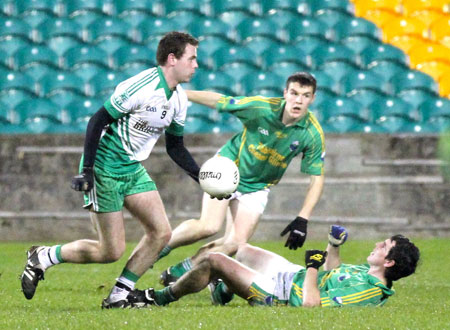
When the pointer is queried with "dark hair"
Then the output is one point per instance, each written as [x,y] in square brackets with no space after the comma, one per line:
[303,78]
[173,43]
[406,256]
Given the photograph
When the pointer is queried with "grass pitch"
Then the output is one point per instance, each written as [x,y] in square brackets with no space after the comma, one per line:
[70,297]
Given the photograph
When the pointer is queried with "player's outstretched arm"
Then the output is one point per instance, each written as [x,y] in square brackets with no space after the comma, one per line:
[311,294]
[336,237]
[207,98]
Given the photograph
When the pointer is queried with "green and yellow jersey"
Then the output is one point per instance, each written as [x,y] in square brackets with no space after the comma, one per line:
[265,147]
[346,285]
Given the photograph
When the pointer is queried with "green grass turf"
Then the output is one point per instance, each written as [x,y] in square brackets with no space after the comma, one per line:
[71,295]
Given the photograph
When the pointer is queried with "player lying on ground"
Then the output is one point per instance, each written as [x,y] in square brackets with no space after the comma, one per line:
[265,278]
[276,129]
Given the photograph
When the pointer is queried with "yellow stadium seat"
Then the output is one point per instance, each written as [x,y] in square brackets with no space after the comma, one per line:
[429,52]
[406,42]
[440,30]
[361,6]
[380,16]
[444,84]
[404,26]
[410,6]
[433,68]
[427,16]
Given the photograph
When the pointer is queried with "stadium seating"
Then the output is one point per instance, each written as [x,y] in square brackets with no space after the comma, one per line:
[86,61]
[413,80]
[309,43]
[264,83]
[128,56]
[435,69]
[416,97]
[35,57]
[285,69]
[81,110]
[333,53]
[406,42]
[283,55]
[16,81]
[103,84]
[364,79]
[210,27]
[14,27]
[387,68]
[249,28]
[325,82]
[383,52]
[192,6]
[307,26]
[444,84]
[113,33]
[153,30]
[362,6]
[429,52]
[293,6]
[63,81]
[214,80]
[433,108]
[356,26]
[440,30]
[59,34]
[337,69]
[404,26]
[343,106]
[380,16]
[358,43]
[410,6]
[392,106]
[330,17]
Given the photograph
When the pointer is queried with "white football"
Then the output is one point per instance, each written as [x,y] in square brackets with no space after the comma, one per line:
[219,176]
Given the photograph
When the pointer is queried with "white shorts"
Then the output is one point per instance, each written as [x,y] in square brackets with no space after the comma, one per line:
[255,201]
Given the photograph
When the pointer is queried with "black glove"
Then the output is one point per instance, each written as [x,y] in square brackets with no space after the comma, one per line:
[315,258]
[83,181]
[221,197]
[297,234]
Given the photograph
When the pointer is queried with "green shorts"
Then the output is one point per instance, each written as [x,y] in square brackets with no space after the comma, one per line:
[110,189]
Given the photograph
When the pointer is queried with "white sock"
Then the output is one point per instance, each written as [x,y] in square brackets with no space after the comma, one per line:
[117,294]
[122,279]
[47,256]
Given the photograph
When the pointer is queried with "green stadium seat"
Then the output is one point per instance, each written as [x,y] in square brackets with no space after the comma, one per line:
[343,6]
[433,108]
[184,18]
[14,27]
[8,128]
[395,124]
[294,6]
[86,18]
[309,43]
[360,42]
[4,60]
[228,124]
[333,53]
[343,106]
[268,82]
[387,69]
[330,17]
[416,97]
[79,7]
[196,125]
[133,70]
[344,124]
[283,55]
[86,61]
[13,97]
[234,18]
[111,44]
[356,26]
[39,108]
[16,81]
[63,81]
[219,6]
[136,17]
[264,27]
[285,69]
[7,7]
[383,52]
[36,61]
[155,29]
[64,96]
[109,28]
[81,110]
[366,97]
[127,56]
[35,18]
[194,6]
[307,26]
[10,44]
[413,80]
[325,82]
[364,79]
[392,106]
[210,27]
[59,34]
[237,54]
[338,70]
[214,80]
[281,16]
[200,111]
[48,6]
[104,83]
[439,124]
[129,7]
[7,114]
[211,43]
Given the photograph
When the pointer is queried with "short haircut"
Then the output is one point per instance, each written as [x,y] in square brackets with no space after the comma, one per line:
[406,256]
[304,79]
[173,43]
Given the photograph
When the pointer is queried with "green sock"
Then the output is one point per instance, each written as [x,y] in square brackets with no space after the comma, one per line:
[164,252]
[181,268]
[164,296]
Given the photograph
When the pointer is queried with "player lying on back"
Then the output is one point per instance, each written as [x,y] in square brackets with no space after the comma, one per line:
[265,278]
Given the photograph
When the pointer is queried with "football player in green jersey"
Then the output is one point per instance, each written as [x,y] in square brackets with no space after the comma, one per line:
[276,129]
[119,136]
[265,278]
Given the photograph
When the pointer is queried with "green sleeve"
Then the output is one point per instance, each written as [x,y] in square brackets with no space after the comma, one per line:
[113,111]
[314,154]
[175,129]
[247,108]
[358,294]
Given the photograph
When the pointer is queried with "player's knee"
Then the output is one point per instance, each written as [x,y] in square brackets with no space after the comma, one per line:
[210,230]
[215,259]
[242,251]
[161,235]
[113,254]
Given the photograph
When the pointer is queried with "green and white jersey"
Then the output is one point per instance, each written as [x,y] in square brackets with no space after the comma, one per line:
[144,107]
[265,147]
[347,285]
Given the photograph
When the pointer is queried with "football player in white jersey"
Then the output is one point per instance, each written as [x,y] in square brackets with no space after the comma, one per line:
[118,137]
